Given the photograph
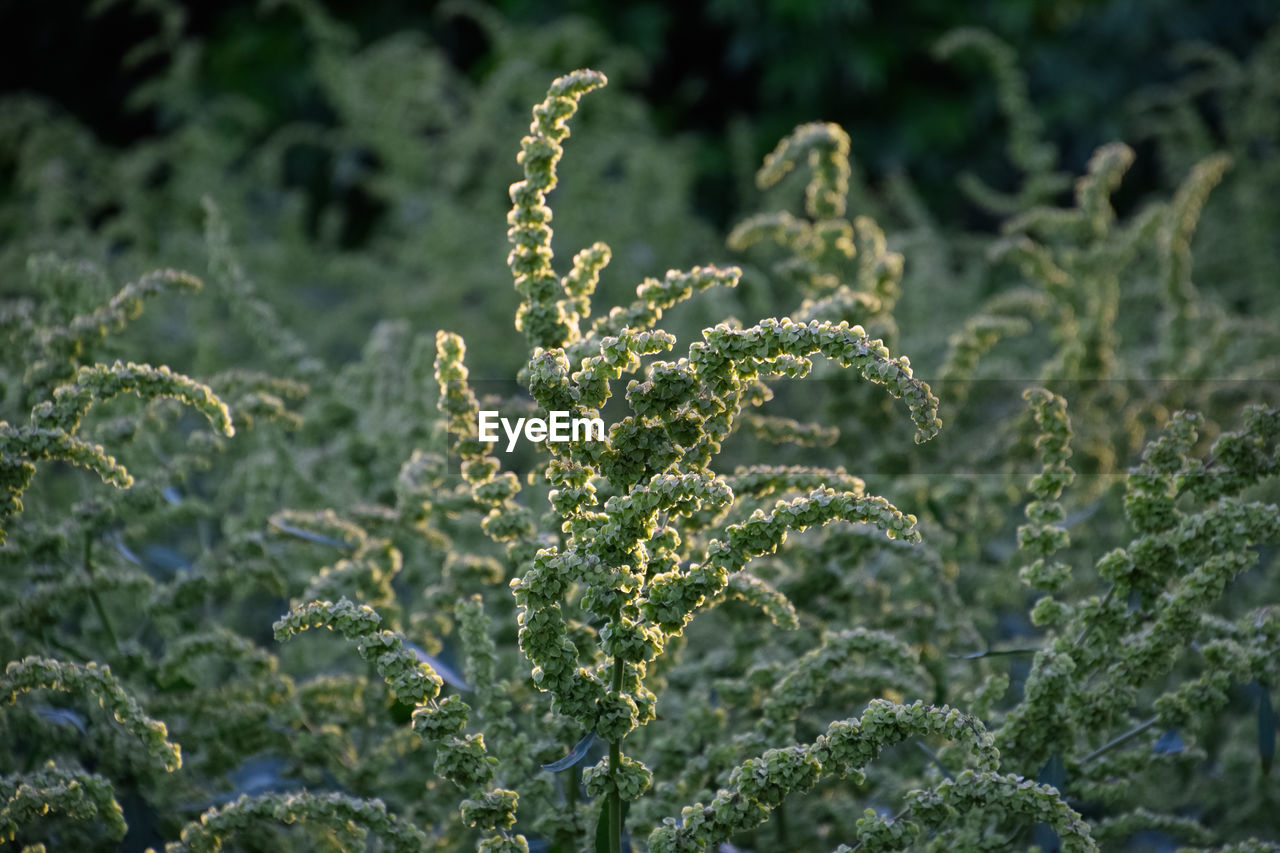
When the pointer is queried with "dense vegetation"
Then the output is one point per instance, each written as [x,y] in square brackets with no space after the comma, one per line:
[968,544]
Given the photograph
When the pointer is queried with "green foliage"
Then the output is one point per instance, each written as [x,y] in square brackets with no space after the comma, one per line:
[51,790]
[663,639]
[31,674]
[349,819]
[1026,148]
[54,421]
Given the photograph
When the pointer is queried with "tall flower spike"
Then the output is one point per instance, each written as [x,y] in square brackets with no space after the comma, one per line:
[54,422]
[1027,148]
[1175,249]
[350,819]
[826,147]
[51,790]
[758,786]
[414,682]
[541,315]
[101,382]
[1043,534]
[34,673]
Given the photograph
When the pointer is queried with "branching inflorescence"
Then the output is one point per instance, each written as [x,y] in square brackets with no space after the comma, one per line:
[646,640]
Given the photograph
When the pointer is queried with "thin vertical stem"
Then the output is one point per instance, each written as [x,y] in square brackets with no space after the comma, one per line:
[615,763]
[93,593]
[571,836]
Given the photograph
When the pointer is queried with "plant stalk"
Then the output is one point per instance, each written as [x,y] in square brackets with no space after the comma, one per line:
[1121,739]
[93,594]
[615,762]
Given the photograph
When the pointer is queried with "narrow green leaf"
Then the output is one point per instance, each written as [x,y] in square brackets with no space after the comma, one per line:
[602,826]
[992,653]
[575,755]
[285,527]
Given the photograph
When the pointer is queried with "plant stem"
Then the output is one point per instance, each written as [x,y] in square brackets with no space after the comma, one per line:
[615,762]
[571,836]
[933,757]
[1114,742]
[93,593]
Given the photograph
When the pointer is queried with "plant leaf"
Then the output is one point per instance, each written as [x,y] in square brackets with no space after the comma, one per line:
[602,826]
[992,653]
[575,755]
[126,551]
[1168,743]
[286,527]
[62,716]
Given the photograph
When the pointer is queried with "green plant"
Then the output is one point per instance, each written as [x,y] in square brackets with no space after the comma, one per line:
[768,655]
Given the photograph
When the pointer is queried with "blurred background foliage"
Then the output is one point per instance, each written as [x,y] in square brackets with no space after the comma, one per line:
[378,133]
[328,166]
[337,174]
[737,76]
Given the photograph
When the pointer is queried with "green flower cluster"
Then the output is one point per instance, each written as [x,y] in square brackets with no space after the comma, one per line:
[51,433]
[97,682]
[643,641]
[350,819]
